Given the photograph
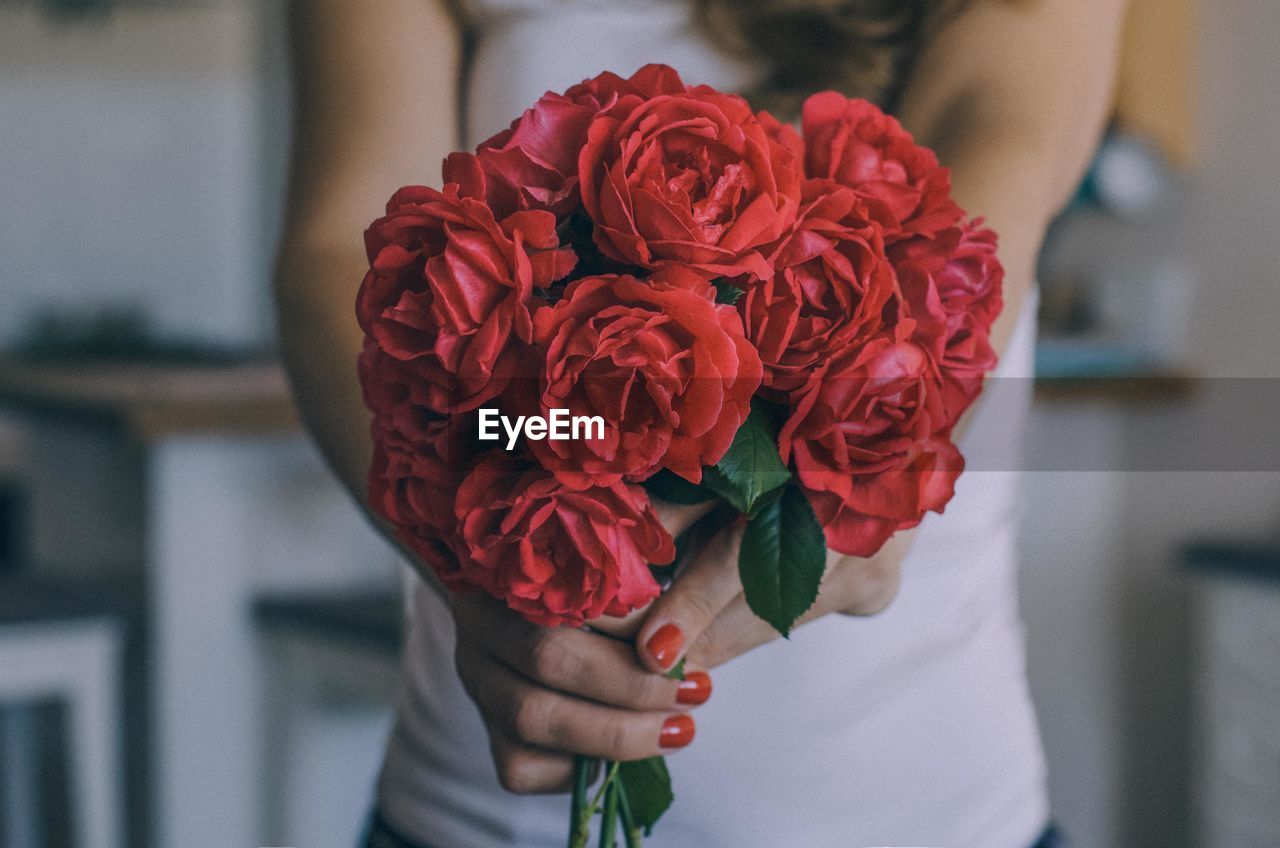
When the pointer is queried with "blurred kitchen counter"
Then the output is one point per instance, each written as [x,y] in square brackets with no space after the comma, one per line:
[231,502]
[153,400]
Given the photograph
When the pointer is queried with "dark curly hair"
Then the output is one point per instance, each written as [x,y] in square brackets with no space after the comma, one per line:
[860,47]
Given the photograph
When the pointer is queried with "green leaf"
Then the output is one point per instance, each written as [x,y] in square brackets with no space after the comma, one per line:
[726,292]
[716,481]
[677,670]
[648,787]
[672,488]
[783,557]
[751,468]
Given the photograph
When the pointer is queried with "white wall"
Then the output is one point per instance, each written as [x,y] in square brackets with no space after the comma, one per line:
[1232,226]
[1110,620]
[132,168]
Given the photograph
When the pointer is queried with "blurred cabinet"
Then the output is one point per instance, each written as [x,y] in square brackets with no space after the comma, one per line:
[236,502]
[1238,768]
[331,677]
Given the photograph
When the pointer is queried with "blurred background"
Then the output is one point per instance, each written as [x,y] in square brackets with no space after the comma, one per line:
[198,634]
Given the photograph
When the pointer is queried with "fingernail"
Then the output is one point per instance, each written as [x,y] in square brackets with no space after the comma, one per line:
[694,689]
[665,644]
[677,731]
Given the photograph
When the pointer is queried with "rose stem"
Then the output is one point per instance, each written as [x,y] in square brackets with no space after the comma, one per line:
[630,831]
[609,818]
[611,771]
[579,818]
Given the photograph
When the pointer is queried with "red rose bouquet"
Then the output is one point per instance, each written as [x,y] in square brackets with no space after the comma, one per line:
[791,323]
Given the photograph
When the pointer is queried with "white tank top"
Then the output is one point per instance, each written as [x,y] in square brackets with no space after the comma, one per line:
[911,728]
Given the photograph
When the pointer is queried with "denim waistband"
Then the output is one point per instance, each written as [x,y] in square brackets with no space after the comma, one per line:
[382,835]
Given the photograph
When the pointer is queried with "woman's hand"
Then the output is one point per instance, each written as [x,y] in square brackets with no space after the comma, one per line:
[546,694]
[704,615]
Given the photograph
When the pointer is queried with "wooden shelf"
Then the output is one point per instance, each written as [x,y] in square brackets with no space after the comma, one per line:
[1131,389]
[151,400]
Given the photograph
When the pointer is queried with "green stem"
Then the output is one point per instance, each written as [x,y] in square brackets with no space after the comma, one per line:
[579,814]
[610,774]
[609,818]
[630,830]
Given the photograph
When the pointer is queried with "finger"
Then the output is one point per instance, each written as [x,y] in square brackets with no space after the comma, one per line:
[589,665]
[737,630]
[577,662]
[524,770]
[678,518]
[543,718]
[864,586]
[852,585]
[734,632]
[692,601]
[624,627]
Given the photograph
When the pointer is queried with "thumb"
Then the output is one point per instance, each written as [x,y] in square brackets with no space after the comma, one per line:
[682,522]
[693,600]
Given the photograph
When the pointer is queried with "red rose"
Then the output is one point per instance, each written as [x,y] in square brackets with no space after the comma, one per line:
[691,178]
[448,288]
[412,481]
[668,370]
[533,164]
[972,280]
[554,554]
[784,135]
[393,393]
[858,522]
[961,278]
[857,145]
[866,441]
[831,284]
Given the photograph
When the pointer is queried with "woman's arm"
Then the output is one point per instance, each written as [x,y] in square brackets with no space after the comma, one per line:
[1013,95]
[376,108]
[376,91]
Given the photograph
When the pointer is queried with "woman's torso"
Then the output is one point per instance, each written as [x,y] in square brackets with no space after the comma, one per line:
[910,728]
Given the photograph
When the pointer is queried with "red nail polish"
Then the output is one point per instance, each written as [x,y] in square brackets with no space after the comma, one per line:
[694,689]
[665,644]
[677,731]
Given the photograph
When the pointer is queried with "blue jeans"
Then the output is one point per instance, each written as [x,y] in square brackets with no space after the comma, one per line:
[381,835]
